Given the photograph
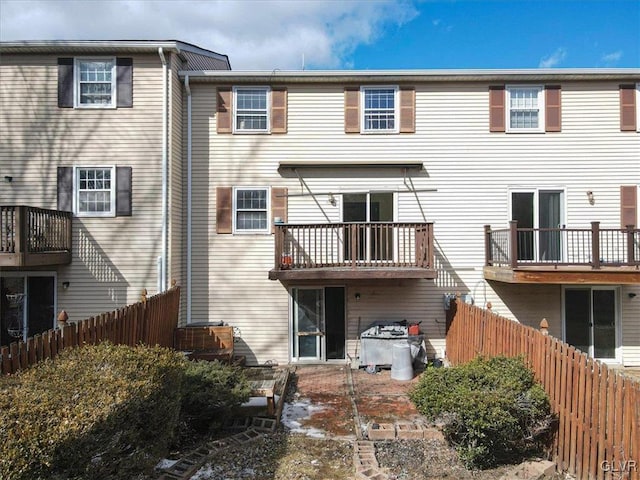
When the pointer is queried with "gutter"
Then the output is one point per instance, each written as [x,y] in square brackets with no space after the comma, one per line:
[189,198]
[162,277]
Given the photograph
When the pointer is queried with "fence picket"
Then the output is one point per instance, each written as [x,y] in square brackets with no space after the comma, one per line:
[598,410]
[154,318]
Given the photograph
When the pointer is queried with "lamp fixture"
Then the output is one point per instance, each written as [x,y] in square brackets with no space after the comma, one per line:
[332,200]
[357,295]
[632,295]
[8,178]
[65,285]
[590,197]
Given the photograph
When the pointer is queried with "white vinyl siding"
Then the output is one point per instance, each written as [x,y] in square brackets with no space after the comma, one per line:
[251,109]
[112,259]
[466,182]
[525,108]
[95,82]
[379,109]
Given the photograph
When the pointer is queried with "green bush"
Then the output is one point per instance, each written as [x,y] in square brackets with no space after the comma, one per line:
[96,412]
[492,409]
[211,391]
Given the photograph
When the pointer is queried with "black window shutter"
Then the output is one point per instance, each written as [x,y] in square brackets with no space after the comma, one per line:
[124,68]
[65,189]
[65,82]
[123,191]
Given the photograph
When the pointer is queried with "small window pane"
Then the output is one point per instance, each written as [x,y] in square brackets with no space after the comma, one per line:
[251,109]
[251,210]
[379,109]
[524,111]
[94,190]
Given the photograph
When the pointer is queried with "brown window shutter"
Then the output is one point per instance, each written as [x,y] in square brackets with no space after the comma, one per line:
[224,210]
[279,110]
[553,108]
[224,110]
[407,110]
[352,110]
[279,203]
[628,205]
[496,108]
[628,119]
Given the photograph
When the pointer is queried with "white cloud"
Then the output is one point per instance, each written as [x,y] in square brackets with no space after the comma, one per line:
[554,59]
[255,34]
[612,58]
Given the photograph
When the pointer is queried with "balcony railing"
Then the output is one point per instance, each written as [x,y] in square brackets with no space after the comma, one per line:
[595,247]
[372,245]
[31,236]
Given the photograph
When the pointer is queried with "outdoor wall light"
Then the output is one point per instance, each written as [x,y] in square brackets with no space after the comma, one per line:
[357,297]
[332,200]
[8,178]
[590,197]
[65,285]
[632,295]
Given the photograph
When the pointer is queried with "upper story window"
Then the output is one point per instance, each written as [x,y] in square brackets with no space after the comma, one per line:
[525,109]
[380,109]
[95,82]
[251,109]
[251,210]
[95,194]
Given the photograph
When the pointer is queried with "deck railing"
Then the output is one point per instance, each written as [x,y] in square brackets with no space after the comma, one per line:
[25,230]
[355,245]
[596,247]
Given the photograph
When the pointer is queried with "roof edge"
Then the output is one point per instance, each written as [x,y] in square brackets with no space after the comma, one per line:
[341,76]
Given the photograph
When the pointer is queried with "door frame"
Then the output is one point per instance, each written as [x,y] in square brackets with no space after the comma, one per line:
[618,319]
[322,358]
[536,212]
[31,273]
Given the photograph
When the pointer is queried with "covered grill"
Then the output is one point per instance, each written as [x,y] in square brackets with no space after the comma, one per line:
[376,343]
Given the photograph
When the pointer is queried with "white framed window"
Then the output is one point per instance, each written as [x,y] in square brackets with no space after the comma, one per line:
[251,206]
[95,191]
[95,82]
[380,109]
[251,109]
[525,108]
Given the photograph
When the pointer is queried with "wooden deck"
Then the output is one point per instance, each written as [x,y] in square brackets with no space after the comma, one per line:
[357,250]
[32,237]
[592,255]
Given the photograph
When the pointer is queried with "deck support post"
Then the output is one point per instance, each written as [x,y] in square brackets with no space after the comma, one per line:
[595,244]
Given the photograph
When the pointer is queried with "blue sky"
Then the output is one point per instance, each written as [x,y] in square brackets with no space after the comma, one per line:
[510,34]
[360,34]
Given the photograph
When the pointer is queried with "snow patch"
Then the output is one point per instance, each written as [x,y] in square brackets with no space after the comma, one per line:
[165,463]
[301,410]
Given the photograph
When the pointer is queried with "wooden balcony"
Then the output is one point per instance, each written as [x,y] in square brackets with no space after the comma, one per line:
[351,251]
[31,237]
[563,255]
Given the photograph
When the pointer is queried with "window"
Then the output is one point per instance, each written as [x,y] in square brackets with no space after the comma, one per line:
[95,192]
[95,83]
[525,109]
[379,110]
[251,210]
[251,109]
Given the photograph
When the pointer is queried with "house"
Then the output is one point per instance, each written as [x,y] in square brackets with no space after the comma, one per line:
[301,207]
[91,180]
[322,202]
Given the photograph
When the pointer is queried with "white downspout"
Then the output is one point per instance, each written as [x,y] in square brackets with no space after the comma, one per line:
[162,281]
[189,193]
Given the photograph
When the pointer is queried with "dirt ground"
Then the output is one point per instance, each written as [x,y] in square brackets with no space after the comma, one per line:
[315,441]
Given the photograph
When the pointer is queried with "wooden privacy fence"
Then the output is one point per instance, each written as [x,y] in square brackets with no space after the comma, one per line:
[598,409]
[150,321]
